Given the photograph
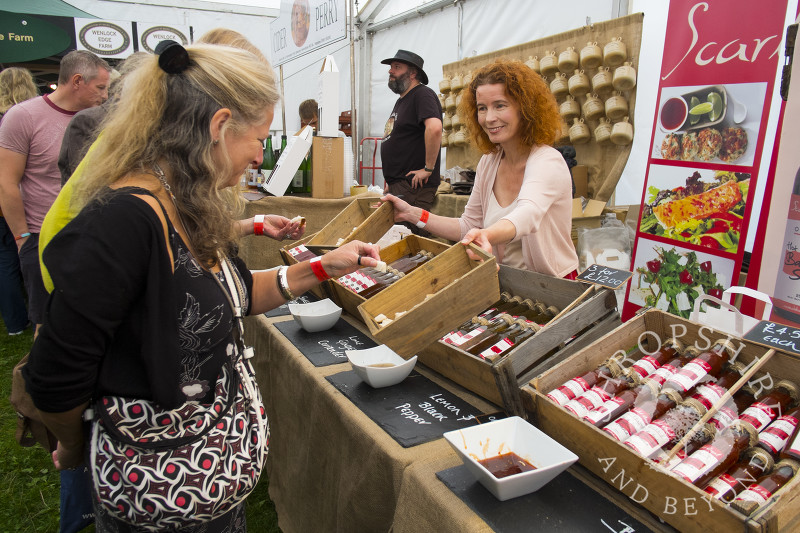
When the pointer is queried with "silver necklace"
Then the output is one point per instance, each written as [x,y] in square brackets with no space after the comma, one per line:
[163,179]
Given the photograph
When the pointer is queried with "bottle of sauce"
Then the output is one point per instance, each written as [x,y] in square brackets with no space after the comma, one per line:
[671,427]
[718,455]
[381,282]
[301,253]
[699,438]
[774,404]
[529,329]
[642,414]
[775,436]
[754,464]
[494,346]
[648,364]
[495,326]
[580,384]
[407,264]
[758,493]
[669,368]
[619,404]
[792,448]
[488,313]
[706,364]
[710,393]
[600,393]
[728,413]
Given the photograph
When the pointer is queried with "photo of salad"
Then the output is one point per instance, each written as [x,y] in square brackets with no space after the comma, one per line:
[706,209]
[671,279]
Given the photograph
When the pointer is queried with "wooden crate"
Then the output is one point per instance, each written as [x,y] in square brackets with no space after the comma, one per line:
[368,216]
[349,301]
[322,290]
[679,503]
[460,287]
[500,381]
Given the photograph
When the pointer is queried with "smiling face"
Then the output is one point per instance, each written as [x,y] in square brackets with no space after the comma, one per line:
[244,148]
[498,114]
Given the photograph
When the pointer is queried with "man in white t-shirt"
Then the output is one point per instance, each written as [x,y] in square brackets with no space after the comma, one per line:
[30,140]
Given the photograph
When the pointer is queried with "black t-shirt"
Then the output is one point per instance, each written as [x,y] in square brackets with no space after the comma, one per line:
[403,145]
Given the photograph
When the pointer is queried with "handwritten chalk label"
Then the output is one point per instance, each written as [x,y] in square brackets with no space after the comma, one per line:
[414,411]
[327,347]
[775,336]
[609,277]
[283,310]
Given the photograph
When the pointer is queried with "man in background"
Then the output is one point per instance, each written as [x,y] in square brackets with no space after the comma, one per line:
[412,141]
[309,113]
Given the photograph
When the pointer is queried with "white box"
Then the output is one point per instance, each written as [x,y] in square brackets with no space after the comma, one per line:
[296,149]
[328,99]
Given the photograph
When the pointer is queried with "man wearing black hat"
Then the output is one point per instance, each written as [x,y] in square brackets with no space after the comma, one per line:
[412,140]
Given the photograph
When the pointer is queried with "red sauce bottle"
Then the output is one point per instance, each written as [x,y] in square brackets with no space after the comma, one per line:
[301,253]
[754,464]
[706,363]
[774,437]
[641,414]
[669,368]
[604,390]
[580,384]
[619,404]
[760,492]
[648,364]
[669,428]
[718,455]
[771,406]
[729,412]
[710,393]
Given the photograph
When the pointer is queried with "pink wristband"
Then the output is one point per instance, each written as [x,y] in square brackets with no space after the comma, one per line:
[319,271]
[423,219]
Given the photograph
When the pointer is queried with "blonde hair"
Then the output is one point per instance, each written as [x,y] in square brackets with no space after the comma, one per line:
[16,85]
[162,116]
[233,38]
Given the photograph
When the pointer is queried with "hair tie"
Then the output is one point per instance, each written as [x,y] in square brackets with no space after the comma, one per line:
[172,57]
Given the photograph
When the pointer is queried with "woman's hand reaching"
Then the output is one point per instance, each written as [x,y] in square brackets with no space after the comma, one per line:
[350,257]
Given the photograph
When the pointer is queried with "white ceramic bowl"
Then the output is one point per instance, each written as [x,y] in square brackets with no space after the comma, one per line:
[380,366]
[316,316]
[510,435]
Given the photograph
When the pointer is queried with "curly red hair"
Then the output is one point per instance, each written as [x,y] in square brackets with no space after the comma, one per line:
[539,116]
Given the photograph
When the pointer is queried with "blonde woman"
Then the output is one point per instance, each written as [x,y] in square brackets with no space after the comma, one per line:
[16,85]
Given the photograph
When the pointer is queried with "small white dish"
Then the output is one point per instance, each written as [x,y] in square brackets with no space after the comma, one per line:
[380,366]
[316,316]
[506,435]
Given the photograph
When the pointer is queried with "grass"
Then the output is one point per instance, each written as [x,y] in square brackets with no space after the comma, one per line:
[29,484]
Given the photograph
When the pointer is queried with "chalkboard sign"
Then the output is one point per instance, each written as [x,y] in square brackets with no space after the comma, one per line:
[609,277]
[414,411]
[283,310]
[775,336]
[565,504]
[327,347]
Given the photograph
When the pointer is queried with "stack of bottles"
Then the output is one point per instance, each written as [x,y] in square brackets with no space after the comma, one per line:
[369,281]
[748,449]
[498,329]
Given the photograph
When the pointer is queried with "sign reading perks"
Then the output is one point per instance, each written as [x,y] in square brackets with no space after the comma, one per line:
[105,38]
[327,347]
[716,87]
[414,411]
[775,336]
[612,278]
[304,26]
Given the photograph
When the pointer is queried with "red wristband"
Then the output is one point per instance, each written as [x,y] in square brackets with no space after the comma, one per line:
[258,225]
[316,267]
[423,219]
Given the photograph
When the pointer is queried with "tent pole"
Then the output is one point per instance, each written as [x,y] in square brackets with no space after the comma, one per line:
[283,102]
[353,122]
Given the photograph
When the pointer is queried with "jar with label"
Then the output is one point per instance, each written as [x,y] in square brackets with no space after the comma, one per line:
[622,132]
[616,107]
[456,82]
[579,132]
[775,436]
[641,414]
[559,86]
[619,404]
[593,108]
[459,97]
[711,392]
[666,370]
[579,83]
[774,404]
[604,390]
[533,63]
[669,428]
[624,77]
[455,122]
[569,108]
[591,56]
[728,413]
[441,100]
[706,364]
[602,133]
[760,492]
[580,384]
[446,122]
[754,464]
[602,80]
[648,364]
[614,52]
[460,138]
[718,455]
[568,60]
[548,64]
[450,103]
[444,85]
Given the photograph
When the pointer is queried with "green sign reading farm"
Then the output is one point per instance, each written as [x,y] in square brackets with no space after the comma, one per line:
[26,37]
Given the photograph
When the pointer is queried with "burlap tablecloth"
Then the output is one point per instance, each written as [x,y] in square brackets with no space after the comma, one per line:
[330,467]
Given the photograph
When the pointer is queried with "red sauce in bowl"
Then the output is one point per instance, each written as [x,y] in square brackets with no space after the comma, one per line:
[506,464]
[673,113]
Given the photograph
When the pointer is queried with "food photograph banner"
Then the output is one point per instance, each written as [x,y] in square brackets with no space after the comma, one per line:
[306,25]
[717,80]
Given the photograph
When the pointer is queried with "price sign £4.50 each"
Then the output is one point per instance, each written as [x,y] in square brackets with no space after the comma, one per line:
[613,278]
[775,336]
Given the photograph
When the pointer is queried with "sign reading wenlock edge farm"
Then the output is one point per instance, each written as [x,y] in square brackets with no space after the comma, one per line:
[717,76]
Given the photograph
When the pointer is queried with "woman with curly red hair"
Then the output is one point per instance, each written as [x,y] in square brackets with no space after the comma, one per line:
[521,204]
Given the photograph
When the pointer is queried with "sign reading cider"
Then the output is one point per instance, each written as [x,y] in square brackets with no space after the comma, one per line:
[105,38]
[306,25]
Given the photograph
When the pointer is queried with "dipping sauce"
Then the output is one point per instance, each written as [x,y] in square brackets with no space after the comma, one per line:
[673,114]
[506,464]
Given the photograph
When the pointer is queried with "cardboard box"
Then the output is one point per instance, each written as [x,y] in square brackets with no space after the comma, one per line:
[679,503]
[328,99]
[349,300]
[327,167]
[500,381]
[580,177]
[594,221]
[436,297]
[296,149]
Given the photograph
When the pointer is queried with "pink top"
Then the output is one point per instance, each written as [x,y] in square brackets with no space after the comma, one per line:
[543,216]
[35,128]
